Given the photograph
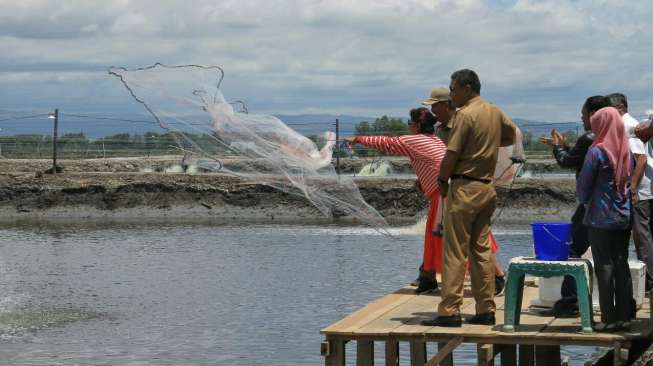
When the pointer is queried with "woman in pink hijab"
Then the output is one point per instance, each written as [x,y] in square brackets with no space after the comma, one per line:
[603,186]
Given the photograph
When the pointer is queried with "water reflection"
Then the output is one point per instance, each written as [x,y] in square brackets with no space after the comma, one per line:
[154,294]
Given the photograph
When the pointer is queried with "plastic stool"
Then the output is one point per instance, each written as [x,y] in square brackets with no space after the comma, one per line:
[519,267]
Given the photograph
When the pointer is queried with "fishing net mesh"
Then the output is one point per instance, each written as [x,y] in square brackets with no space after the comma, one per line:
[220,136]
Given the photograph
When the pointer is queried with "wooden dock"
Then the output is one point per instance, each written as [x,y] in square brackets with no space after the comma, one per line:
[396,318]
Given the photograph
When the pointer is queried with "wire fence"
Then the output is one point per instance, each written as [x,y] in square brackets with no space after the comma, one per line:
[29,134]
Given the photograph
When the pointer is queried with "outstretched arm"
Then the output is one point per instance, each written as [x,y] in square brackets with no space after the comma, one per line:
[391,145]
[572,158]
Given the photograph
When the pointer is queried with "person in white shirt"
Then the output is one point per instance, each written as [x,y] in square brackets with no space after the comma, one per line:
[641,188]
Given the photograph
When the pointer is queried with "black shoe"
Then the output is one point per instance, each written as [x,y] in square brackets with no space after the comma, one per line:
[623,325]
[565,309]
[416,281]
[426,285]
[499,284]
[444,321]
[419,277]
[483,319]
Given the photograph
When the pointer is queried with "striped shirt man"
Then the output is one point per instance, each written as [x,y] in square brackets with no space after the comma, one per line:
[424,151]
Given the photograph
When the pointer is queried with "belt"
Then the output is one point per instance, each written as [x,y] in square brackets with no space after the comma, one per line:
[462,176]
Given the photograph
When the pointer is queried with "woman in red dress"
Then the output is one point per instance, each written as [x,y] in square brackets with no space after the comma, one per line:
[425,151]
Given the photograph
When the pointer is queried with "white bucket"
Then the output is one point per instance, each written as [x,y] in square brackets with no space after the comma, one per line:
[549,288]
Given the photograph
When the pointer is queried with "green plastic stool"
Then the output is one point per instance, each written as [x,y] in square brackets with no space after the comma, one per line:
[519,267]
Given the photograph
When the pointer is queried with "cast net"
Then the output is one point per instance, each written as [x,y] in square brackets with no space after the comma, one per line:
[221,136]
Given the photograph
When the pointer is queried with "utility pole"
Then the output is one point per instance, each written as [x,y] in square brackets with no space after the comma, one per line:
[337,147]
[54,140]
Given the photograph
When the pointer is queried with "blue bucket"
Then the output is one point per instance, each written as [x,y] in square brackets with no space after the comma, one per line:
[551,240]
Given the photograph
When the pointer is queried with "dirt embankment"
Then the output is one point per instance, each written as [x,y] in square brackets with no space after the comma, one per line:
[133,195]
[399,165]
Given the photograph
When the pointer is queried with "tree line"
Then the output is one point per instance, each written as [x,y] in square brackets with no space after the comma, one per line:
[78,145]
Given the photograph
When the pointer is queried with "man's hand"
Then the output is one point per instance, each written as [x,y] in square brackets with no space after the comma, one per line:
[634,197]
[558,138]
[349,141]
[644,131]
[546,141]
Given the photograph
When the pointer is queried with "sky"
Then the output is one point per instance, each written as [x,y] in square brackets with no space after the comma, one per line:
[536,59]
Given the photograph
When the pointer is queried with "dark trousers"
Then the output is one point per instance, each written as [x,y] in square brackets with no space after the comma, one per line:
[642,228]
[579,245]
[610,253]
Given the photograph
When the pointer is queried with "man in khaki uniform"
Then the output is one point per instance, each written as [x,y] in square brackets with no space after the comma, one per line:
[478,129]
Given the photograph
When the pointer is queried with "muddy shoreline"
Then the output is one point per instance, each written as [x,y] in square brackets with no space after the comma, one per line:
[86,191]
[399,165]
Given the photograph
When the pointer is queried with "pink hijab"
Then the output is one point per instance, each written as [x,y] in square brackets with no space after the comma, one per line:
[610,135]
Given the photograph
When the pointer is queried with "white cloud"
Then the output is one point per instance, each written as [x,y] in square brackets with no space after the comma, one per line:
[372,57]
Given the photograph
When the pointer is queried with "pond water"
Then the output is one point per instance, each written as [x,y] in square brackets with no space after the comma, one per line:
[179,294]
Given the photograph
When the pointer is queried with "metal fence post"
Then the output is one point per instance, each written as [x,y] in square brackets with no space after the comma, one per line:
[54,140]
[337,146]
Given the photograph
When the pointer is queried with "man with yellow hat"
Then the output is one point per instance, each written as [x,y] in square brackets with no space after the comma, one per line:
[441,106]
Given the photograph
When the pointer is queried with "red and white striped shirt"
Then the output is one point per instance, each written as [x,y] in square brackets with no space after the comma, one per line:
[425,152]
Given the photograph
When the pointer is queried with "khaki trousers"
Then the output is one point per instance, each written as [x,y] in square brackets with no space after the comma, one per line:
[466,236]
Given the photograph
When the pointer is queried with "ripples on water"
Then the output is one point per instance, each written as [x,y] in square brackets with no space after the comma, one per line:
[197,294]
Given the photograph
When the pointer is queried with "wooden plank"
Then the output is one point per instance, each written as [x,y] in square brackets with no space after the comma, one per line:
[408,312]
[485,354]
[547,355]
[369,313]
[445,351]
[567,330]
[529,328]
[398,315]
[336,353]
[383,326]
[422,308]
[530,323]
[417,353]
[364,353]
[448,359]
[467,309]
[392,353]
